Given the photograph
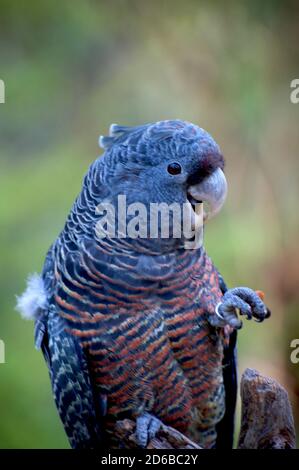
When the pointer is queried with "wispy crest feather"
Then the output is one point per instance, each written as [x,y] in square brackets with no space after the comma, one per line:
[34,299]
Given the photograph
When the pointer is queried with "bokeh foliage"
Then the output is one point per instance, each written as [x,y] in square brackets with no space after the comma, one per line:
[72,68]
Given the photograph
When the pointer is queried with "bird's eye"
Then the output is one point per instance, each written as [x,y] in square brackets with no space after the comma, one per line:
[174,168]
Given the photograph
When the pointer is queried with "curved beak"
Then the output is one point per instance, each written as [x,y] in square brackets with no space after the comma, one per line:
[212,190]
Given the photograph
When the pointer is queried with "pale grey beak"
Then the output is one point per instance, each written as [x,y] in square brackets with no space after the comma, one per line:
[212,190]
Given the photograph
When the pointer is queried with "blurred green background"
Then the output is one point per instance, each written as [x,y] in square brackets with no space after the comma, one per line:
[72,68]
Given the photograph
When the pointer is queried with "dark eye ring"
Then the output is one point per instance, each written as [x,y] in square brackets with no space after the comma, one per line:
[174,168]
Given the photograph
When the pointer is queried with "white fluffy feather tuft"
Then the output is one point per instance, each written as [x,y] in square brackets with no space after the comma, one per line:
[34,299]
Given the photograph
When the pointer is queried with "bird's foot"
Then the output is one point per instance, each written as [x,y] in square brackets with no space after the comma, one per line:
[147,426]
[240,300]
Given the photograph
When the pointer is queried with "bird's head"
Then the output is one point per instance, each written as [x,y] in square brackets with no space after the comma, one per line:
[164,162]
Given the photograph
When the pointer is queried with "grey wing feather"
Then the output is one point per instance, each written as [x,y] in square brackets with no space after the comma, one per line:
[225,428]
[73,392]
[81,409]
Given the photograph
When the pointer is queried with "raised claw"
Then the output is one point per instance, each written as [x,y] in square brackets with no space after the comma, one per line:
[240,300]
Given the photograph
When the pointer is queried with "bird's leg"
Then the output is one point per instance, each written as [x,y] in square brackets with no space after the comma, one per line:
[239,299]
[147,426]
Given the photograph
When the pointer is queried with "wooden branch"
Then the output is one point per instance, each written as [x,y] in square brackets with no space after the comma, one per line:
[267,420]
[166,437]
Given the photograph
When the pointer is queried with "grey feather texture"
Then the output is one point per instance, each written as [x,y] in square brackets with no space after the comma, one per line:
[34,300]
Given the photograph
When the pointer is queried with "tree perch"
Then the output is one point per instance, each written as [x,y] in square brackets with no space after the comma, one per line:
[166,438]
[267,420]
